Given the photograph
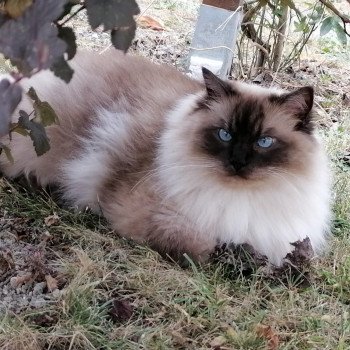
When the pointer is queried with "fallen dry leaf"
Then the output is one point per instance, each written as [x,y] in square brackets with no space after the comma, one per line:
[51,283]
[241,258]
[148,22]
[44,320]
[121,310]
[346,100]
[37,262]
[297,264]
[52,220]
[6,261]
[19,280]
[268,333]
[244,259]
[218,341]
[16,8]
[179,339]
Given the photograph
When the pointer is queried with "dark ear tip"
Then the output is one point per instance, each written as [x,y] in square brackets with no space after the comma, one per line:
[310,88]
[206,71]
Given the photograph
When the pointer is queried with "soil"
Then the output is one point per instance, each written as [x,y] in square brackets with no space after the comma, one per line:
[26,268]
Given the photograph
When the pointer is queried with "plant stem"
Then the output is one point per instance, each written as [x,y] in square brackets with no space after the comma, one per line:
[345,19]
[82,7]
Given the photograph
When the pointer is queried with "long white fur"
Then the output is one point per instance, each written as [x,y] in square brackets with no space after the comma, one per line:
[269,217]
[84,174]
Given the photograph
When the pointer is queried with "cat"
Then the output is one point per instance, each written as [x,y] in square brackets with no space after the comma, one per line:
[180,164]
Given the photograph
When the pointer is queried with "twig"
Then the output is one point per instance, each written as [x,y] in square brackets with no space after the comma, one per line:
[296,52]
[295,9]
[263,49]
[82,7]
[239,55]
[212,48]
[227,20]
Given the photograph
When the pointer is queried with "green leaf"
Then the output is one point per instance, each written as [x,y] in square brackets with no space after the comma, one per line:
[301,26]
[36,132]
[15,8]
[8,153]
[341,35]
[19,130]
[32,94]
[316,14]
[327,25]
[44,113]
[121,38]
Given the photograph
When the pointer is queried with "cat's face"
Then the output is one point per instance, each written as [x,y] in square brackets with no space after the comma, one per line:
[249,132]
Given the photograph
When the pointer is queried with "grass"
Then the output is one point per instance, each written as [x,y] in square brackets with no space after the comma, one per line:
[117,295]
[114,294]
[174,308]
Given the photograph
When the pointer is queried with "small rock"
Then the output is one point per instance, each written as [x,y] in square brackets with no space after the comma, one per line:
[13,283]
[39,288]
[7,299]
[39,302]
[56,293]
[26,286]
[23,302]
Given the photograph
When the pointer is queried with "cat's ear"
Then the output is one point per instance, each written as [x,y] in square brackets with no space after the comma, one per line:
[215,86]
[298,102]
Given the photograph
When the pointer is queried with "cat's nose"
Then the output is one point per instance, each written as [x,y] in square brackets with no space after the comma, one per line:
[238,165]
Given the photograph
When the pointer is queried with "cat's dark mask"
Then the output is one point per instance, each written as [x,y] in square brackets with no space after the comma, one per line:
[249,131]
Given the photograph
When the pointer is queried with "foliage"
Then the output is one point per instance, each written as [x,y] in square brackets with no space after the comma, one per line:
[332,23]
[34,36]
[269,25]
[10,96]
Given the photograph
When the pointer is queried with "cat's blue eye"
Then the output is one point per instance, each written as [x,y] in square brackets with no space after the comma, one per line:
[265,141]
[224,135]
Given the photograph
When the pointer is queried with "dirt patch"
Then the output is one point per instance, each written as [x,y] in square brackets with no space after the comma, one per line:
[27,267]
[243,259]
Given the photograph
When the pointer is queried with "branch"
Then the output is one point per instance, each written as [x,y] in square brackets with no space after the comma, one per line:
[345,19]
[295,9]
[82,7]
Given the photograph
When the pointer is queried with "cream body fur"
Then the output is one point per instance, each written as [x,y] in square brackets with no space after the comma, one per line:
[129,145]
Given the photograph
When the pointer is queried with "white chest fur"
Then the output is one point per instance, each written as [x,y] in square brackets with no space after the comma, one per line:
[282,211]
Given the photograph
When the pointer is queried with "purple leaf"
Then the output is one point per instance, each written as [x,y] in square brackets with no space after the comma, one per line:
[36,132]
[111,13]
[30,41]
[10,97]
[121,38]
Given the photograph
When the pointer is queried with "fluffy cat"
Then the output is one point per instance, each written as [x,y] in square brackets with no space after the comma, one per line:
[179,164]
